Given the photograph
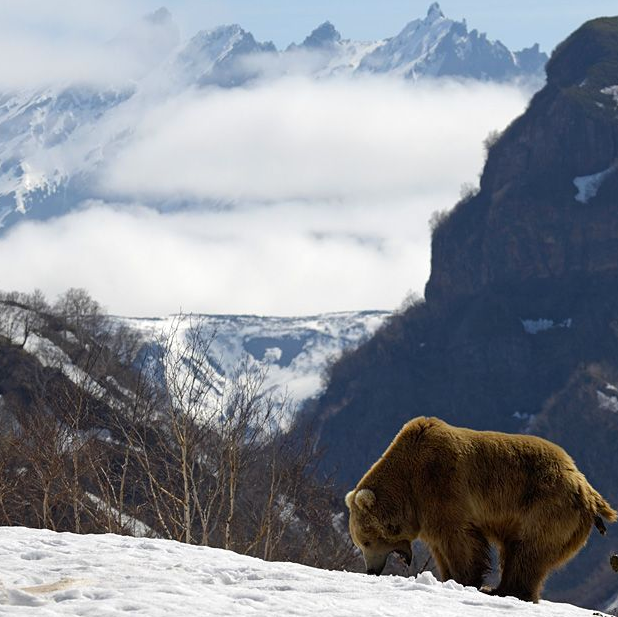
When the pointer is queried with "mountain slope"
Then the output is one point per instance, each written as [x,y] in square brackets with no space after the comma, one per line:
[66,574]
[518,331]
[294,352]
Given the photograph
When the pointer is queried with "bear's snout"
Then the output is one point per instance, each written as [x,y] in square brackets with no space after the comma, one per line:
[375,562]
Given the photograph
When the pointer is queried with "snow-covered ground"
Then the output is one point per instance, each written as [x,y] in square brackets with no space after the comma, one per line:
[46,574]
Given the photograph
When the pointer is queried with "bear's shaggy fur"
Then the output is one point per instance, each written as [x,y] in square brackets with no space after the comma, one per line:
[459,490]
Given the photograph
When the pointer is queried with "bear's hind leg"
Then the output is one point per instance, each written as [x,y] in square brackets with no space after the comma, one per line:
[523,572]
[526,564]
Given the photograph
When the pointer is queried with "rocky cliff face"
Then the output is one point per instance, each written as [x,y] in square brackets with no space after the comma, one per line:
[519,329]
[547,191]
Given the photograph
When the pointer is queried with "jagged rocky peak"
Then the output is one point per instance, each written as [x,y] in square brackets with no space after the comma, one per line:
[215,50]
[325,35]
[151,38]
[531,59]
[547,208]
[439,46]
[223,39]
[207,40]
[434,12]
[216,57]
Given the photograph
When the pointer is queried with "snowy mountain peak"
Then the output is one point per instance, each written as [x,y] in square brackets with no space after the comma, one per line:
[210,54]
[324,35]
[438,46]
[160,16]
[434,12]
[209,40]
[216,57]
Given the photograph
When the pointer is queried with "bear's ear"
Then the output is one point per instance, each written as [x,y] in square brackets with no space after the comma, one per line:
[349,498]
[365,499]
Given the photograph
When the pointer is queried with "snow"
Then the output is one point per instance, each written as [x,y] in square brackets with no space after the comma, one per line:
[612,605]
[49,354]
[411,52]
[588,186]
[613,92]
[51,574]
[609,403]
[134,526]
[534,326]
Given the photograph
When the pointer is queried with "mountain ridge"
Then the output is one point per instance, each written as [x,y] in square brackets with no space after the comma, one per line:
[55,139]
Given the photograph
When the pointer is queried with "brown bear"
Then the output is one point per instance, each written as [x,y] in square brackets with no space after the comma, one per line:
[460,490]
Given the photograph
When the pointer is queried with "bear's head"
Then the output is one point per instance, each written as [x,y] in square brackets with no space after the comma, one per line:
[374,530]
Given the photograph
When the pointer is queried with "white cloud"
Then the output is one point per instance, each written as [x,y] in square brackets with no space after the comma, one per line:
[304,139]
[278,259]
[329,185]
[43,42]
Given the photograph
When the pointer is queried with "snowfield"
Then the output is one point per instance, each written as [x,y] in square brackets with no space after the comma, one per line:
[45,573]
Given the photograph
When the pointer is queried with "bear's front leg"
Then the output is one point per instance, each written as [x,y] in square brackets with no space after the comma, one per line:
[466,554]
[441,562]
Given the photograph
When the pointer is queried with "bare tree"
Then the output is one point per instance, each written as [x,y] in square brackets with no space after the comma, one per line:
[79,310]
[99,443]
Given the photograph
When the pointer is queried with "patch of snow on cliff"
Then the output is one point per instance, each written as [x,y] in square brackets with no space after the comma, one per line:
[50,355]
[612,606]
[609,403]
[611,91]
[588,186]
[534,326]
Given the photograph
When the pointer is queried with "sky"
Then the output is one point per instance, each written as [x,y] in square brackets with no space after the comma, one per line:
[516,24]
[332,183]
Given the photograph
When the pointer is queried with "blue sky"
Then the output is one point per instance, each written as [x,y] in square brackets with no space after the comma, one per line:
[517,24]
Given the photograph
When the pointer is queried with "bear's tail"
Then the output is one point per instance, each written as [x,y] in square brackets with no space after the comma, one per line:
[602,509]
